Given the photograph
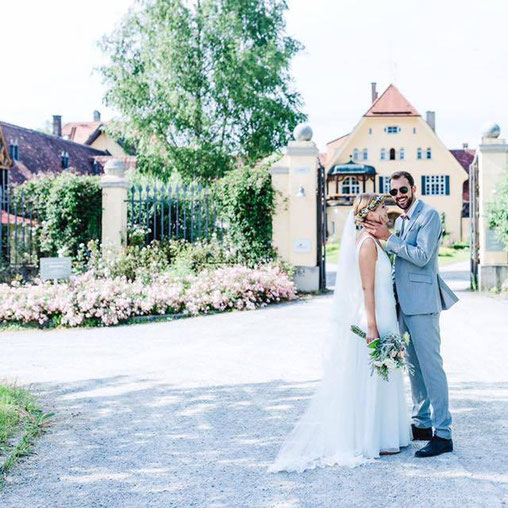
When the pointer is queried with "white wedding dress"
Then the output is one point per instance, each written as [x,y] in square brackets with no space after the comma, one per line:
[352,416]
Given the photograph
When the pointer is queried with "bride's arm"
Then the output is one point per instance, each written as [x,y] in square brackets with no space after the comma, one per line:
[367,260]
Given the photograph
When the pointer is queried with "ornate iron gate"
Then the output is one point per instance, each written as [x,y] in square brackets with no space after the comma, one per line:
[321,225]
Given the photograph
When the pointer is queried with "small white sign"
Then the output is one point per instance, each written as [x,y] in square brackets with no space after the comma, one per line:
[55,268]
[302,245]
[301,171]
[492,241]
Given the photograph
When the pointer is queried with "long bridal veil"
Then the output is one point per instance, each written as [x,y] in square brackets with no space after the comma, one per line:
[329,431]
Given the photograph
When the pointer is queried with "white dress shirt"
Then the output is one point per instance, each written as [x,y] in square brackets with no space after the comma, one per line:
[407,214]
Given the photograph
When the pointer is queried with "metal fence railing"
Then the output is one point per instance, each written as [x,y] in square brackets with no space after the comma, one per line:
[18,229]
[183,212]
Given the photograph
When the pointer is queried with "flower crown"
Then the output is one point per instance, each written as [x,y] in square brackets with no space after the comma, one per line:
[370,207]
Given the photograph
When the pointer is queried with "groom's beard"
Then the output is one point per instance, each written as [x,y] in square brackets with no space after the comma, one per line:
[409,202]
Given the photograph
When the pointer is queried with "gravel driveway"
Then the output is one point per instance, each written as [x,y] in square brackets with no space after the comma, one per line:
[190,413]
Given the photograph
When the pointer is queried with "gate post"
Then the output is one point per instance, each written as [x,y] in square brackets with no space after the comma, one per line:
[492,162]
[295,228]
[114,187]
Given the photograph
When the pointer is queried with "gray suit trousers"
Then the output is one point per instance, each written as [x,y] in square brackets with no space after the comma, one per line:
[429,386]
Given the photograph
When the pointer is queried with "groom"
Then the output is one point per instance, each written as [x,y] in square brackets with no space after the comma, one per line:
[421,296]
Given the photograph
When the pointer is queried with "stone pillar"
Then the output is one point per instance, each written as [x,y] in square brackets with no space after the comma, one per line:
[492,168]
[294,177]
[114,187]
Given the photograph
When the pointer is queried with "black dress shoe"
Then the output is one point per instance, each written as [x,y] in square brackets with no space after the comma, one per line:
[424,434]
[436,446]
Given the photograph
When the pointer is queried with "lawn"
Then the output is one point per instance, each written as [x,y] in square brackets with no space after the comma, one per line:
[450,255]
[332,252]
[21,421]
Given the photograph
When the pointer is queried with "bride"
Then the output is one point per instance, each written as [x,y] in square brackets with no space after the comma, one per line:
[353,416]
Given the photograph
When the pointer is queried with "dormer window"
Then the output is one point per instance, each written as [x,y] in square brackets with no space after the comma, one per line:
[14,150]
[392,129]
[64,160]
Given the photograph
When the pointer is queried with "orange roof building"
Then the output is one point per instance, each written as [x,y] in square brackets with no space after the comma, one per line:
[391,103]
[393,136]
[93,134]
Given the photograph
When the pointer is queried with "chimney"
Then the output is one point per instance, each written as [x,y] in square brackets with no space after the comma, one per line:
[96,116]
[431,119]
[57,125]
[373,91]
[465,146]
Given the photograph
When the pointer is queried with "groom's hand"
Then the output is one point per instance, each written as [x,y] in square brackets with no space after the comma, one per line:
[377,229]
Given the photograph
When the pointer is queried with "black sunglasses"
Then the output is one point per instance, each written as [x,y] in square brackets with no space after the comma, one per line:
[402,190]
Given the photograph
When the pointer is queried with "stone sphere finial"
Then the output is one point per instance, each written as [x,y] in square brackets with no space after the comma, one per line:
[303,132]
[115,167]
[491,130]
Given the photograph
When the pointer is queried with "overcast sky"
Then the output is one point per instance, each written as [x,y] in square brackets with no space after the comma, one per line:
[450,56]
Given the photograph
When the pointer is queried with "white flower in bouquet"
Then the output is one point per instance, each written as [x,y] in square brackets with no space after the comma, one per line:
[390,364]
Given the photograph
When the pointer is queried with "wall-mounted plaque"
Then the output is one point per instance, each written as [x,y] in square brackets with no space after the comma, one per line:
[302,245]
[492,242]
[301,171]
[279,170]
[55,268]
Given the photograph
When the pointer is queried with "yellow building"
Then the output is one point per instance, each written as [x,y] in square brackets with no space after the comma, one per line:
[90,133]
[392,136]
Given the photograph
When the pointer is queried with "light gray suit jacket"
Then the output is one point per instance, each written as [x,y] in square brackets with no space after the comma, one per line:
[420,289]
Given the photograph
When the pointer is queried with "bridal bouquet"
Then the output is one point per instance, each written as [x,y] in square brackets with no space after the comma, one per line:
[388,352]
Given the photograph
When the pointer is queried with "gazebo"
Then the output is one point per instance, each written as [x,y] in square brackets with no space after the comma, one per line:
[345,181]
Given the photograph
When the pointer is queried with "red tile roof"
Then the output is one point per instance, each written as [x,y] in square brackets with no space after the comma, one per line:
[41,153]
[465,157]
[391,103]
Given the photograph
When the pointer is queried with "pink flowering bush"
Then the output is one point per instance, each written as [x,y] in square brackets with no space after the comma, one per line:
[87,298]
[237,287]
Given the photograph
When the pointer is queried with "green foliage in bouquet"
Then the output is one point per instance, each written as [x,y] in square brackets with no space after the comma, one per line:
[388,352]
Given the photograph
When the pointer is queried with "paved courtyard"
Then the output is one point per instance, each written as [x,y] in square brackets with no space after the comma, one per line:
[191,412]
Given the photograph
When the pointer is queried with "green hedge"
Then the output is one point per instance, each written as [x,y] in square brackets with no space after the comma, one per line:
[69,211]
[246,202]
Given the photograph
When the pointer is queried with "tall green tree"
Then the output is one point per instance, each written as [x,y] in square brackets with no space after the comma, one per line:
[202,85]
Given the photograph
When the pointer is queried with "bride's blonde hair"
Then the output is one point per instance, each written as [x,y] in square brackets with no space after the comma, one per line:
[365,203]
